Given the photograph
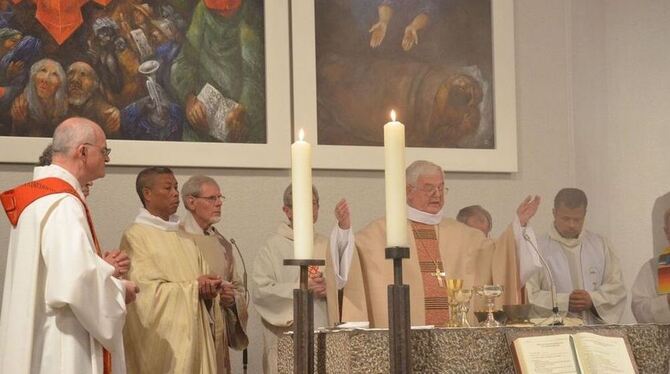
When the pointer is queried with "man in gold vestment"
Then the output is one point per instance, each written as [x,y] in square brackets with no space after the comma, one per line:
[440,248]
[168,329]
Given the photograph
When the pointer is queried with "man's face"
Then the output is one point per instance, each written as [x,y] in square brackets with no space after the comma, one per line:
[162,196]
[428,193]
[81,83]
[315,210]
[96,157]
[47,80]
[11,42]
[206,207]
[569,221]
[480,222]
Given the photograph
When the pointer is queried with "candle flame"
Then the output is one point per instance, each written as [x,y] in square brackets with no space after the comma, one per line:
[393,115]
[301,135]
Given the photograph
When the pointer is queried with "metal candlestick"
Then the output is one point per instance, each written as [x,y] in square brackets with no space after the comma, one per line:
[399,315]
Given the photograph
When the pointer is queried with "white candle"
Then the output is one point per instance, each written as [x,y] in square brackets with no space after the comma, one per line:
[394,172]
[301,179]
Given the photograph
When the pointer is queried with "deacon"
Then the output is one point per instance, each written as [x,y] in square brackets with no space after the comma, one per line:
[273,282]
[203,202]
[168,328]
[649,305]
[440,248]
[586,271]
[62,309]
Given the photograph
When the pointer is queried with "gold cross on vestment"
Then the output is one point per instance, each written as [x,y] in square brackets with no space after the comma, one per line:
[440,275]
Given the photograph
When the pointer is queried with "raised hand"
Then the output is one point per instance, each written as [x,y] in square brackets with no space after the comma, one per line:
[342,214]
[527,209]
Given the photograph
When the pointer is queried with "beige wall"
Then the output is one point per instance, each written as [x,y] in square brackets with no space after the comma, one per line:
[590,113]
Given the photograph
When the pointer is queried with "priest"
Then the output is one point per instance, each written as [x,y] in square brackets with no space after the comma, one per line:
[203,202]
[649,303]
[440,248]
[168,328]
[62,309]
[273,282]
[586,272]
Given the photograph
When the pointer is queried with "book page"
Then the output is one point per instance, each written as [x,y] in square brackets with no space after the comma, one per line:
[549,354]
[602,354]
[217,107]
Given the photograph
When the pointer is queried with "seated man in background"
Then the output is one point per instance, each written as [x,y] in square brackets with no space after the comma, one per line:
[203,201]
[168,329]
[477,217]
[649,305]
[586,272]
[273,282]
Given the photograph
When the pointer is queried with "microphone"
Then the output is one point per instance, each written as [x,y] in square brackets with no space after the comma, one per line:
[557,320]
[245,358]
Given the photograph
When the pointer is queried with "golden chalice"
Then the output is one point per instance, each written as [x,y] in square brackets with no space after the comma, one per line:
[453,286]
[463,297]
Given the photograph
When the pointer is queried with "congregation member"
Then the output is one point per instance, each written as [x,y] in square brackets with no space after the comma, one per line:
[168,327]
[477,217]
[273,282]
[63,310]
[203,201]
[649,305]
[586,272]
[440,248]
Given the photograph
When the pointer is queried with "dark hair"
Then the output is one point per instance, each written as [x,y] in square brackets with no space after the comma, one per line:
[146,178]
[45,157]
[570,198]
[473,210]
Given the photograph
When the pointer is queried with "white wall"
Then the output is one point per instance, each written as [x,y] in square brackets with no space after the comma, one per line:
[590,113]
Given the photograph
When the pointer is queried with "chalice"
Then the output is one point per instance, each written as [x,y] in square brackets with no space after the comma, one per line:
[490,292]
[463,297]
[453,286]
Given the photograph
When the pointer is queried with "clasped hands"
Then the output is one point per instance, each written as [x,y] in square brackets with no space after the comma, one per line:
[317,284]
[209,286]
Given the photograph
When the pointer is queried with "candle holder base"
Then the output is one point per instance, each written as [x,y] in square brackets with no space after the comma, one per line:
[303,318]
[399,315]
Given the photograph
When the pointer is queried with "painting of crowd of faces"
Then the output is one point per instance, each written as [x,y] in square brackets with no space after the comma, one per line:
[158,70]
[430,60]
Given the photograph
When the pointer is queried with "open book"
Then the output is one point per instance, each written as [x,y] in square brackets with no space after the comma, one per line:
[581,353]
[217,107]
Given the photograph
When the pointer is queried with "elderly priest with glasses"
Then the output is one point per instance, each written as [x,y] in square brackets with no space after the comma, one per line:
[439,248]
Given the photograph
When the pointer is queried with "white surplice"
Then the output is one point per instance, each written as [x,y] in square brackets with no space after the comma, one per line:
[60,304]
[586,263]
[272,284]
[648,305]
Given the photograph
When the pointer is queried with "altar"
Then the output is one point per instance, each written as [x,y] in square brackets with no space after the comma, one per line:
[459,350]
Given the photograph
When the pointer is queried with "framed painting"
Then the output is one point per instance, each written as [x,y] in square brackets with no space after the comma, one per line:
[445,67]
[179,83]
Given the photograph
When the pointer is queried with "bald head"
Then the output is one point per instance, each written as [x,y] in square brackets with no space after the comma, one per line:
[73,132]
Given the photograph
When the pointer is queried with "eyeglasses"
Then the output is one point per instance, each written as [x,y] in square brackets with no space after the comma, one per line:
[104,150]
[212,199]
[429,189]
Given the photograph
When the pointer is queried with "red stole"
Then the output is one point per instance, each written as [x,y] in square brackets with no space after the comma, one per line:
[16,200]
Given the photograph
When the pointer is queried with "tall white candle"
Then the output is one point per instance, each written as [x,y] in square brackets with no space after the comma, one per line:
[394,172]
[301,179]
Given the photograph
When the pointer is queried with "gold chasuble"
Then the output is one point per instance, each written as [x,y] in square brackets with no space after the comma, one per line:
[463,252]
[168,326]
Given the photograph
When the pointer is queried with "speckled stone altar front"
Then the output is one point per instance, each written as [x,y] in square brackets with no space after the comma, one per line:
[460,350]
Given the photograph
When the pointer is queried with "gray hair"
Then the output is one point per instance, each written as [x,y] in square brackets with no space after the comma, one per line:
[421,167]
[193,185]
[71,133]
[37,112]
[288,195]
[570,198]
[473,210]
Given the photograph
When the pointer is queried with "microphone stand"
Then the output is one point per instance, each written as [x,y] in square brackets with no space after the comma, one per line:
[245,357]
[557,319]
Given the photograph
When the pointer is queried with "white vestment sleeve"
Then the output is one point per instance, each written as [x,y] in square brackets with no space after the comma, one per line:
[78,278]
[647,305]
[609,299]
[341,251]
[271,293]
[529,260]
[538,293]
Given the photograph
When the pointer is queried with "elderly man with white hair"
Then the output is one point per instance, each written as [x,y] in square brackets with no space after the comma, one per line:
[439,247]
[63,310]
[203,201]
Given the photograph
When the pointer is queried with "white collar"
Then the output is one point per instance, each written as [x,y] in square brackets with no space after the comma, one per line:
[566,242]
[424,217]
[41,172]
[146,218]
